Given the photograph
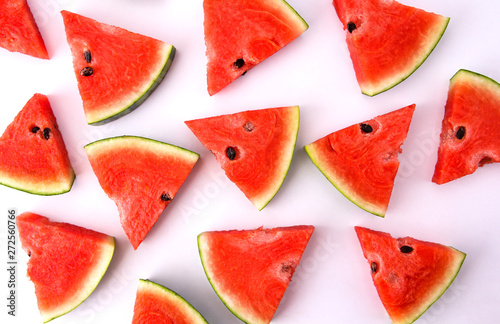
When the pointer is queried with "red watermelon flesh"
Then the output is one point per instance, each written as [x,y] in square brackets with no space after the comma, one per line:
[240,34]
[66,262]
[361,161]
[409,274]
[142,176]
[116,70]
[263,142]
[33,157]
[387,40]
[471,122]
[18,29]
[160,305]
[251,269]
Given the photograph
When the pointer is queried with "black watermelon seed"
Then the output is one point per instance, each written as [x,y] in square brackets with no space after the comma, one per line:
[46,133]
[165,197]
[87,71]
[88,56]
[460,132]
[231,153]
[248,126]
[238,64]
[35,129]
[406,249]
[351,26]
[365,128]
[374,267]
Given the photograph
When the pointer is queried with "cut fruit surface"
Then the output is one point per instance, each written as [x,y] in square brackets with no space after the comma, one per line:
[361,161]
[157,304]
[240,34]
[471,120]
[255,148]
[387,40]
[409,274]
[116,70]
[142,176]
[33,156]
[251,269]
[66,262]
[18,29]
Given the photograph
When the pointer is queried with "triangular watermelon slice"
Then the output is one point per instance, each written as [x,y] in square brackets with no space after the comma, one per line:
[33,157]
[409,275]
[116,69]
[361,161]
[66,262]
[251,269]
[254,147]
[387,40]
[240,34]
[142,176]
[157,304]
[471,122]
[18,29]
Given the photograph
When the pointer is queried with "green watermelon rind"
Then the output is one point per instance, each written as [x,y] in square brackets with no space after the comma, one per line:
[212,283]
[14,184]
[298,16]
[392,83]
[373,209]
[467,74]
[98,275]
[118,113]
[195,317]
[442,289]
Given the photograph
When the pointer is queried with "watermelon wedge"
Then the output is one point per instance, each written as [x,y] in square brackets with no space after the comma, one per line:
[471,120]
[142,176]
[18,29]
[254,147]
[387,40]
[157,304]
[116,70]
[240,34]
[33,157]
[251,269]
[409,275]
[361,161]
[66,262]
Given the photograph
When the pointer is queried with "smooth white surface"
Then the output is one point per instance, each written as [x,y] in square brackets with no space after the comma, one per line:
[332,284]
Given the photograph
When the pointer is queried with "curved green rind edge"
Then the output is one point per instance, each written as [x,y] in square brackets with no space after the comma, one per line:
[44,193]
[93,288]
[111,139]
[392,85]
[309,150]
[292,149]
[451,279]
[197,317]
[464,73]
[156,82]
[214,286]
[306,25]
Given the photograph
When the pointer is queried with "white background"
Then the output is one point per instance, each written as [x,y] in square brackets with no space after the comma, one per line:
[333,283]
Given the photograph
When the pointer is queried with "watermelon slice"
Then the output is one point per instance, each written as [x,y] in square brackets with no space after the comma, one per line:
[142,176]
[66,262]
[409,275]
[387,41]
[33,157]
[471,120]
[251,269]
[255,148]
[116,69]
[240,34]
[157,304]
[361,161]
[18,29]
